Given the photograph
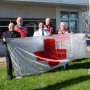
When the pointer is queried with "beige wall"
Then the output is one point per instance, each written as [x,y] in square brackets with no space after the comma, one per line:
[13,11]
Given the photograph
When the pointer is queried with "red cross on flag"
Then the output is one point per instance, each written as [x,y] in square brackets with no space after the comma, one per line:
[50,53]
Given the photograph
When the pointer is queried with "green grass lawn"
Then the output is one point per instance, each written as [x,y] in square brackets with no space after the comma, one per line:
[75,78]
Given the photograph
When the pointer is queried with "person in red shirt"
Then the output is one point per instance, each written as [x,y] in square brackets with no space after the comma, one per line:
[62,29]
[20,28]
[48,26]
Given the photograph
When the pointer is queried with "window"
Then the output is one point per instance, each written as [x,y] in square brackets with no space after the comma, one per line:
[2,29]
[73,26]
[3,26]
[71,19]
[73,15]
[64,14]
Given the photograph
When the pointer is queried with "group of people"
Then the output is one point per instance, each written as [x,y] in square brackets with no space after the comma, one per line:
[20,31]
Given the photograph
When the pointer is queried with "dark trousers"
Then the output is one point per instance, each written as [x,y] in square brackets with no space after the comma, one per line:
[66,66]
[9,65]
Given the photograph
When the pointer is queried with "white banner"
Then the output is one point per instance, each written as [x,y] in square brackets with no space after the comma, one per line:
[34,55]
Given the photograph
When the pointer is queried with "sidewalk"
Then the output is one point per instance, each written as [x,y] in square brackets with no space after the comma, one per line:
[88,51]
[2,61]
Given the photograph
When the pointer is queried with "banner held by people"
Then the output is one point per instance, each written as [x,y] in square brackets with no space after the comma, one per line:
[33,55]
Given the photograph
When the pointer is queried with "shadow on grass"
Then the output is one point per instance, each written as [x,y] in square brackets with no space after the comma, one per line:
[78,64]
[66,83]
[84,65]
[79,60]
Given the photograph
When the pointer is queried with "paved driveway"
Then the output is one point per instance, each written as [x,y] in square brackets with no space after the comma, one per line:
[2,61]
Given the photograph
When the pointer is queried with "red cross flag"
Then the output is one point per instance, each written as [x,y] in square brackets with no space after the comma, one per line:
[39,54]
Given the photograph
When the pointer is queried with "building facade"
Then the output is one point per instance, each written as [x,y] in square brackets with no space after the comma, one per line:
[35,11]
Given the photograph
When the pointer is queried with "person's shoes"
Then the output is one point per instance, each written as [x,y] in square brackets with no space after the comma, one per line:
[66,66]
[10,77]
[19,77]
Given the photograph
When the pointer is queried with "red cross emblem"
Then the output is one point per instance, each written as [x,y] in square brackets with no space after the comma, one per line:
[50,53]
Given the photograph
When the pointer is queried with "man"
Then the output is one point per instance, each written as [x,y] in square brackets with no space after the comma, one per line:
[63,30]
[48,26]
[20,28]
[41,31]
[9,34]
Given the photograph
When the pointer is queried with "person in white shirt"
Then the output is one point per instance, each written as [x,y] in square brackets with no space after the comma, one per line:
[41,31]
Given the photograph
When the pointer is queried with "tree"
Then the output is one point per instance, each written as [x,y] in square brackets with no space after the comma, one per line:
[86,26]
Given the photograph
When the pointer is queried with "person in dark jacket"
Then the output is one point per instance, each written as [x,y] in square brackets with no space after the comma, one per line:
[11,33]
